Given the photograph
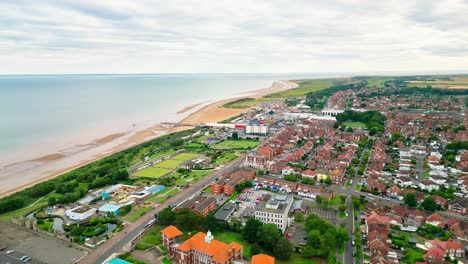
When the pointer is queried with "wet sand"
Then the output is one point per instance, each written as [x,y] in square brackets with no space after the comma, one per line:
[21,175]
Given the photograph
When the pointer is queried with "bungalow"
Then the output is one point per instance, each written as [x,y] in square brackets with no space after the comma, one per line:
[394,191]
[94,241]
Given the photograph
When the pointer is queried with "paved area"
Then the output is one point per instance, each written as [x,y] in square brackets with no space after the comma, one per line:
[40,247]
[299,234]
[5,259]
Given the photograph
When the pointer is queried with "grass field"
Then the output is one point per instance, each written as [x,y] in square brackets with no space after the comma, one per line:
[228,237]
[162,198]
[354,124]
[153,157]
[225,158]
[305,87]
[241,103]
[153,237]
[169,164]
[151,172]
[185,156]
[137,213]
[452,83]
[296,259]
[236,144]
[22,211]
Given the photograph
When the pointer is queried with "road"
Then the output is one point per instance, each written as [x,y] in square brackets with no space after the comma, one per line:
[131,231]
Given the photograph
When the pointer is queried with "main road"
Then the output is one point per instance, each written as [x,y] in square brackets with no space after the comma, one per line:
[131,231]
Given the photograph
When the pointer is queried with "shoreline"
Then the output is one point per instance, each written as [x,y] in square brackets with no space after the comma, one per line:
[51,165]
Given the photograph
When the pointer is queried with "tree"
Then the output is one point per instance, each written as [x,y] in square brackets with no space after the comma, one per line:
[410,199]
[328,181]
[250,230]
[299,217]
[166,216]
[429,204]
[235,135]
[268,235]
[283,249]
[255,249]
[342,207]
[319,199]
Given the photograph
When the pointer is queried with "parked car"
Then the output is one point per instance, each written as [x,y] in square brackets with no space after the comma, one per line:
[10,251]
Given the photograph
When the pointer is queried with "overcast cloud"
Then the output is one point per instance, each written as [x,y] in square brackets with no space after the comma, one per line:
[130,36]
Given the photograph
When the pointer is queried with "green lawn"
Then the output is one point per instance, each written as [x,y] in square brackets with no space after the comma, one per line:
[152,172]
[241,103]
[153,237]
[347,183]
[335,200]
[169,164]
[226,158]
[354,124]
[342,215]
[413,255]
[236,144]
[295,259]
[161,199]
[228,237]
[185,156]
[154,196]
[137,213]
[22,211]
[47,225]
[305,87]
[153,157]
[208,190]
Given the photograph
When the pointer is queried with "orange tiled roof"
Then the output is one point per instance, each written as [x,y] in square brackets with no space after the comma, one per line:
[171,231]
[262,259]
[217,249]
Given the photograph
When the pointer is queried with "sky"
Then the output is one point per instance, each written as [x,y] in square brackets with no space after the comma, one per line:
[271,36]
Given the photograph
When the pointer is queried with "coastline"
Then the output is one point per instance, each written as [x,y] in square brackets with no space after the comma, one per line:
[49,166]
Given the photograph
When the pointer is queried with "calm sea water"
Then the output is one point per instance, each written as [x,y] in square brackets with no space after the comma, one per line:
[58,110]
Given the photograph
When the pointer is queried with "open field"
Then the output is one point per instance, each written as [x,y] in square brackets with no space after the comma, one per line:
[151,172]
[236,144]
[169,164]
[185,156]
[307,86]
[449,83]
[152,157]
[22,211]
[162,198]
[228,237]
[136,213]
[354,124]
[242,103]
[226,158]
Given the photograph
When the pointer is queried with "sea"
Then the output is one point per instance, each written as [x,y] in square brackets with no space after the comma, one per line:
[52,112]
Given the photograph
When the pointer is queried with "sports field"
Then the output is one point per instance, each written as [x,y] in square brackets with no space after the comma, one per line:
[236,144]
[152,172]
[354,124]
[185,156]
[169,164]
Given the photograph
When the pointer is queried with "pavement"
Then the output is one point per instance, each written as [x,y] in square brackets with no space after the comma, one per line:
[14,258]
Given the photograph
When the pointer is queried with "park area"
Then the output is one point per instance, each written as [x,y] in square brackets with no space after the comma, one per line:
[354,124]
[166,166]
[236,144]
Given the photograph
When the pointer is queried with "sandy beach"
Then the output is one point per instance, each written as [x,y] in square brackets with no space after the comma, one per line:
[54,164]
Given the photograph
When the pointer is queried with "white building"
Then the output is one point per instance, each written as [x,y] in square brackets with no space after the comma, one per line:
[274,210]
[80,213]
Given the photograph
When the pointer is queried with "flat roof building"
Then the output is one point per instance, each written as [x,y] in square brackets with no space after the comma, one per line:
[274,210]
